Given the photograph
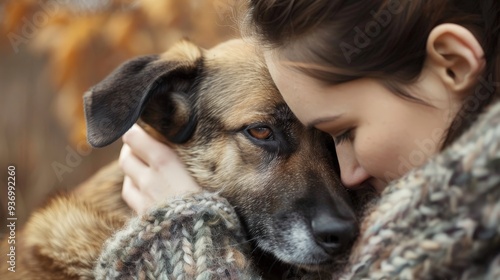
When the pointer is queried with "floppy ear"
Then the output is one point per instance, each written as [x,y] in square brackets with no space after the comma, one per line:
[154,86]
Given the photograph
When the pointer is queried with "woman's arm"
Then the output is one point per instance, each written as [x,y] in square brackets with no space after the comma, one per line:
[196,237]
[186,233]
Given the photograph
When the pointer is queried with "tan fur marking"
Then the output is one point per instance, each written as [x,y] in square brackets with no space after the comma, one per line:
[182,51]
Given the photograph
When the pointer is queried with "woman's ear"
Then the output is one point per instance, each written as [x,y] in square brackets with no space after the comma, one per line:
[455,56]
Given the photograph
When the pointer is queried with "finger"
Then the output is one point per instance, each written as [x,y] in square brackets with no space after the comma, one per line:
[132,196]
[131,165]
[181,181]
[145,147]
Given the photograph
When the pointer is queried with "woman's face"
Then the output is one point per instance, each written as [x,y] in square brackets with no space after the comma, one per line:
[379,136]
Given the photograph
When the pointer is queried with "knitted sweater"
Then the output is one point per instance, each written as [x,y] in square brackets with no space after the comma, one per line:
[440,221]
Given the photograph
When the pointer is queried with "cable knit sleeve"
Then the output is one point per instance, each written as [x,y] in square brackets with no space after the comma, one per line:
[196,237]
[441,221]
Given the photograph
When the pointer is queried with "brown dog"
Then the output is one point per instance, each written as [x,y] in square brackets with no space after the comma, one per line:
[221,112]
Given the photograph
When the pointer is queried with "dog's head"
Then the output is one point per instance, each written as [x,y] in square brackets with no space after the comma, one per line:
[221,112]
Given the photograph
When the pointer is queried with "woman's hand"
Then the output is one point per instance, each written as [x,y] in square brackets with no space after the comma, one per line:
[153,172]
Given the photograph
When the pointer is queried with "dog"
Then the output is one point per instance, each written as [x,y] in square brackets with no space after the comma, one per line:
[221,112]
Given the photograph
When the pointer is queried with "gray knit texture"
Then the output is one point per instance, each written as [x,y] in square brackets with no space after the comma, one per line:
[196,237]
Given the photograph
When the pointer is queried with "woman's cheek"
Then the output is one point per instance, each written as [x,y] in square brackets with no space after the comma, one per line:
[379,157]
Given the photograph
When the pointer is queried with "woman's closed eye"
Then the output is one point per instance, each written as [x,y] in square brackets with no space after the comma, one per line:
[346,136]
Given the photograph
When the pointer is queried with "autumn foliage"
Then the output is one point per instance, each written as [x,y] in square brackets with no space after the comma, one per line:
[84,40]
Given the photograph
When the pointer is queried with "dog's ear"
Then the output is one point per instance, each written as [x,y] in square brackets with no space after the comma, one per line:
[154,86]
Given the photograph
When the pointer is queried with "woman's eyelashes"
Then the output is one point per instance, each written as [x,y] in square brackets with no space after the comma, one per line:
[346,136]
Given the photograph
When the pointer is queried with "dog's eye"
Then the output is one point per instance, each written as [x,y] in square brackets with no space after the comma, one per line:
[261,133]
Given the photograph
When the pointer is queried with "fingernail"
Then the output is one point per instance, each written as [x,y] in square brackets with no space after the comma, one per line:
[129,132]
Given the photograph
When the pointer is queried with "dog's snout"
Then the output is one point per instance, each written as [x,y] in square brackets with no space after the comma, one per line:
[333,233]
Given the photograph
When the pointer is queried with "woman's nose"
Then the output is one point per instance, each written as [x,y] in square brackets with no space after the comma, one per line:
[351,173]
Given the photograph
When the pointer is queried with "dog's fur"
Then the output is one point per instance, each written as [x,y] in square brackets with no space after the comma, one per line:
[204,103]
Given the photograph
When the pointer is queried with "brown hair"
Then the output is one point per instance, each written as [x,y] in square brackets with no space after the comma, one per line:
[336,41]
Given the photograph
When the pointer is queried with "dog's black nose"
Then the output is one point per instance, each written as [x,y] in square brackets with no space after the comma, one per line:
[333,234]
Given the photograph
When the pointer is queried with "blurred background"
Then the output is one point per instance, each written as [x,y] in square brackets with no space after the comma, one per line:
[51,52]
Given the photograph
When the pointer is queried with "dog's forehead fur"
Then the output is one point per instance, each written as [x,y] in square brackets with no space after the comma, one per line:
[234,89]
[237,85]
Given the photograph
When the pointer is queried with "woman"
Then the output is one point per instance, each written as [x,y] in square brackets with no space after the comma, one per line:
[408,91]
